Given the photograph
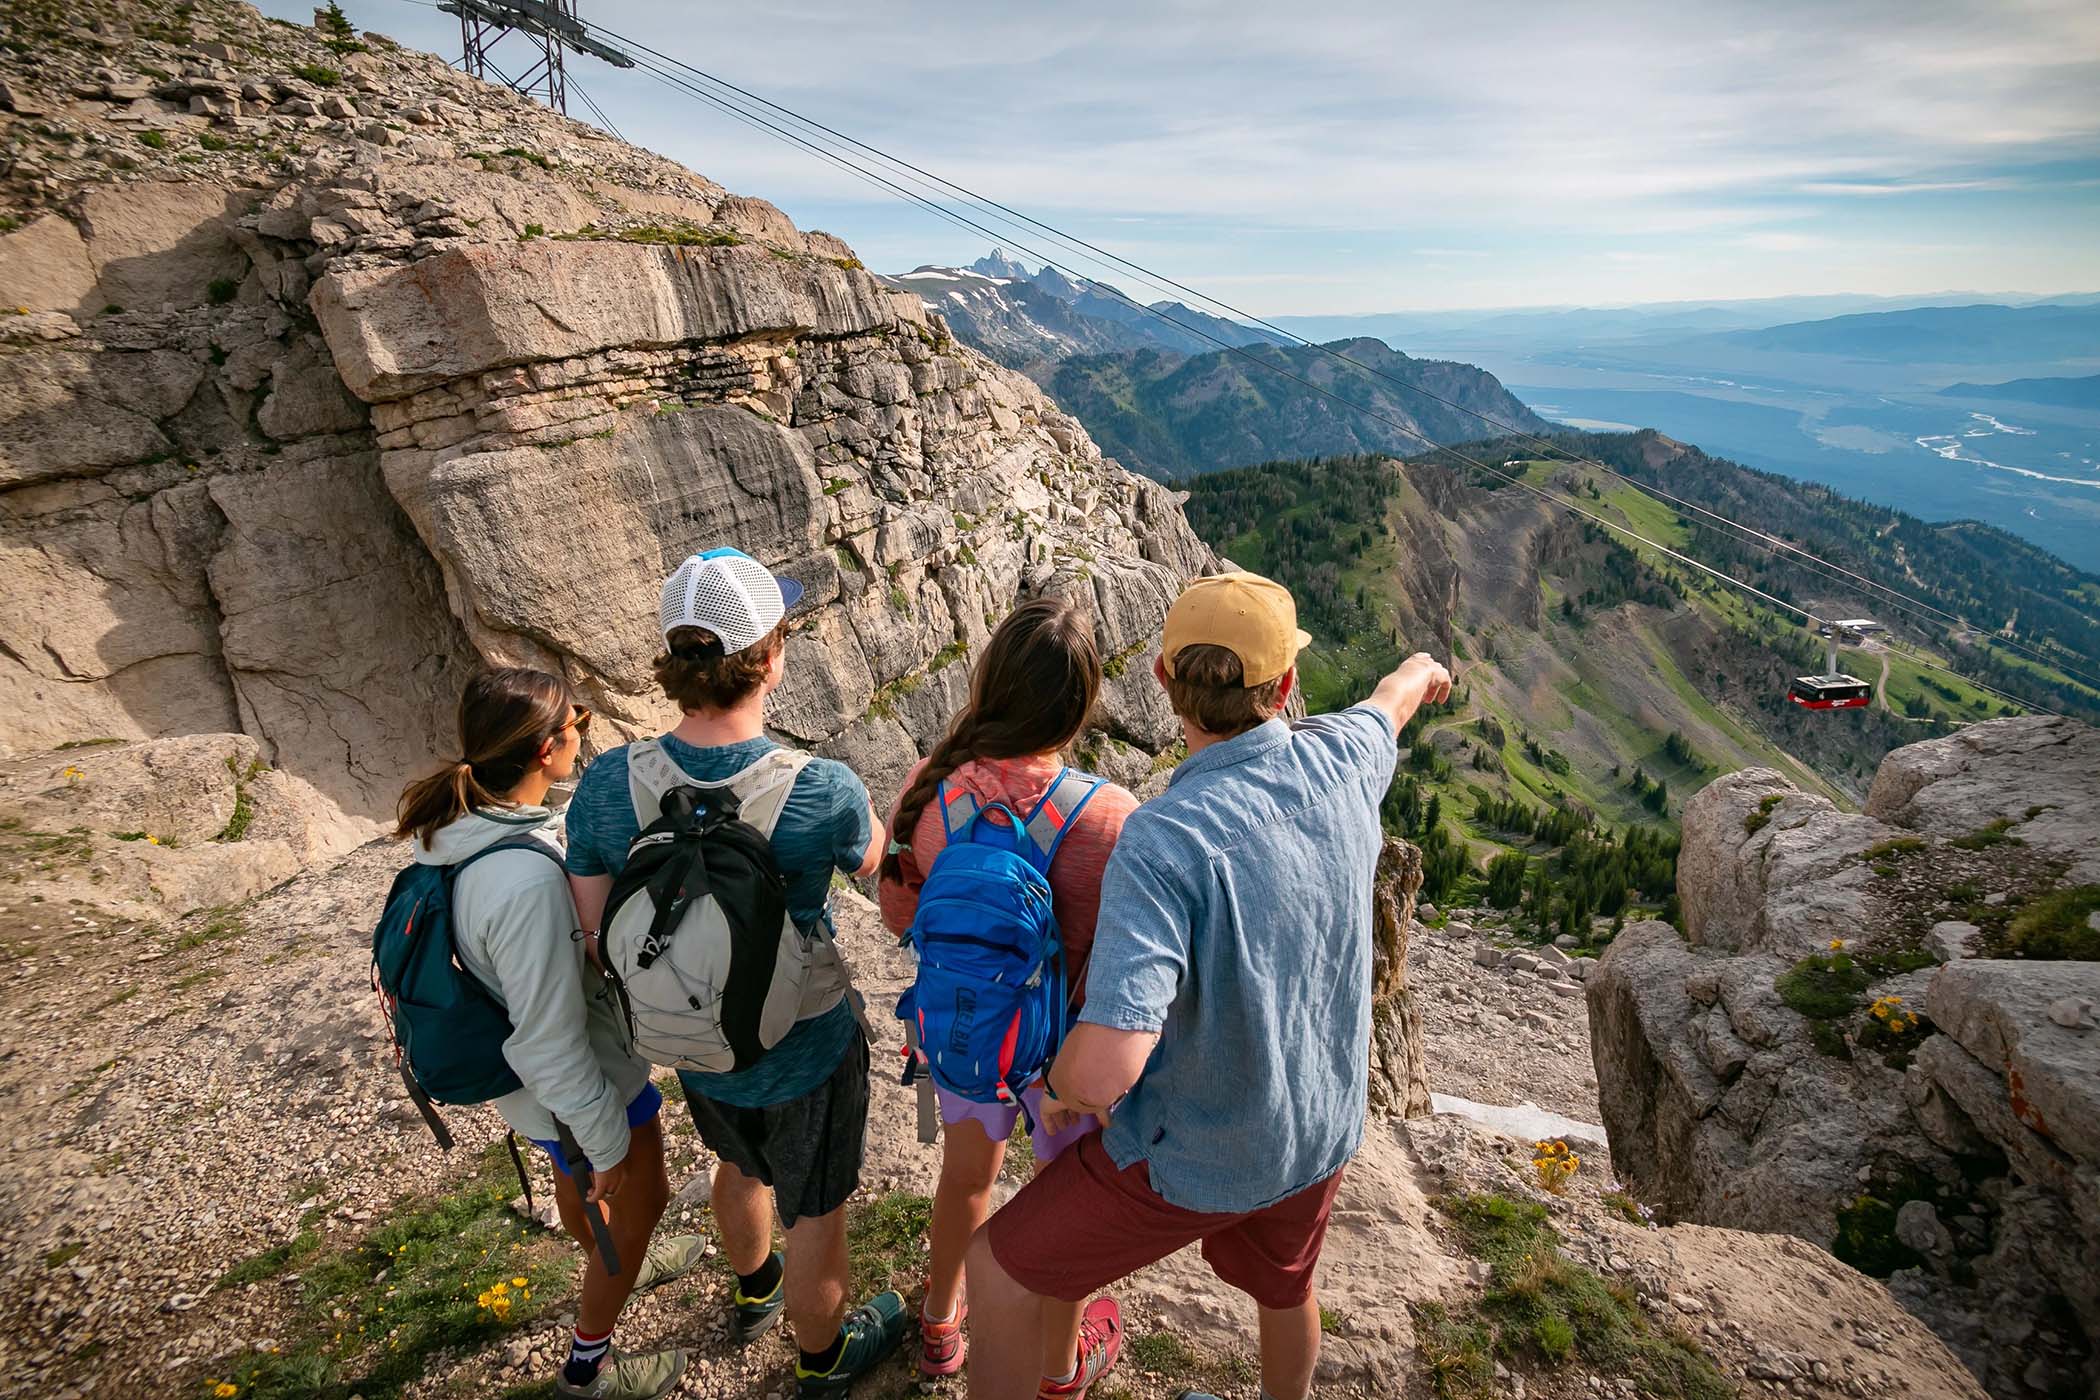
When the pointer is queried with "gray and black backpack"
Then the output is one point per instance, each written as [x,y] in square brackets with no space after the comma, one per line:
[711,968]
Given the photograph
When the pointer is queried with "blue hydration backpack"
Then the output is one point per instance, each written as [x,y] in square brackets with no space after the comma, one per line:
[448,1031]
[989,1006]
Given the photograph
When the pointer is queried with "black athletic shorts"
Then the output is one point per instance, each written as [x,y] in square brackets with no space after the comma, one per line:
[807,1149]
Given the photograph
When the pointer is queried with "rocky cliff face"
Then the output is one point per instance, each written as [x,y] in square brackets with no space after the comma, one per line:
[332,373]
[1877,1033]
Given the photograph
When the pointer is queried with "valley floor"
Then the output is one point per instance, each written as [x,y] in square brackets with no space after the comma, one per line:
[210,1178]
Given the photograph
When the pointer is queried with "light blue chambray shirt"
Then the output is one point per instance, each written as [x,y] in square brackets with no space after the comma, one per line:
[1236,921]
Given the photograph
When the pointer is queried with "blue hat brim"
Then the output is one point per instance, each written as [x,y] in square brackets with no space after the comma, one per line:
[790,592]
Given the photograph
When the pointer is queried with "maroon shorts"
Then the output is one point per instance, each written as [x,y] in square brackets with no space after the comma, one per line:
[1082,1224]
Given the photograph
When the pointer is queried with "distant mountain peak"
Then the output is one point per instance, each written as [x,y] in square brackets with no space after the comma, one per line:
[997,264]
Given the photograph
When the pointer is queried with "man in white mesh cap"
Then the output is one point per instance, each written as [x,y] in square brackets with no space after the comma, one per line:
[789,1129]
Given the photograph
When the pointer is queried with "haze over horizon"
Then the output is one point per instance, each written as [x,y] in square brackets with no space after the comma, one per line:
[1375,161]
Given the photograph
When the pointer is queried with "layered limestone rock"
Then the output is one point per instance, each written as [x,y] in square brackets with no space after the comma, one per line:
[338,373]
[162,827]
[1800,1060]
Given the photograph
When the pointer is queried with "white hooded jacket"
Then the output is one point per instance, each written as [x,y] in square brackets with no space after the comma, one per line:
[514,928]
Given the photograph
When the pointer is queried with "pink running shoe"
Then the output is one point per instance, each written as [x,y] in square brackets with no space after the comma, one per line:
[942,1345]
[1100,1343]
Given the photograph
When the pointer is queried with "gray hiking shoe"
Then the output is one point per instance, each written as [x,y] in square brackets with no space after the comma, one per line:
[669,1257]
[647,1375]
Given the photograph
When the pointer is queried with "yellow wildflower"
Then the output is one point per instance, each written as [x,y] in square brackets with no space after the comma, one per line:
[153,840]
[225,1390]
[1836,943]
[517,1283]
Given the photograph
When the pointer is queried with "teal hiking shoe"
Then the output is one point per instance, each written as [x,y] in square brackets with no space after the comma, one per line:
[755,1315]
[871,1332]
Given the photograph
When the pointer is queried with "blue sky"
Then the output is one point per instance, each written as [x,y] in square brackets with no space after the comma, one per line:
[1375,157]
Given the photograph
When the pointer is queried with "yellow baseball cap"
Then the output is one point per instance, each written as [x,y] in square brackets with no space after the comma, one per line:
[1252,617]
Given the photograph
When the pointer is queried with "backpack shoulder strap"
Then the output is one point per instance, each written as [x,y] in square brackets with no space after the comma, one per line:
[763,789]
[957,812]
[1059,810]
[651,774]
[520,842]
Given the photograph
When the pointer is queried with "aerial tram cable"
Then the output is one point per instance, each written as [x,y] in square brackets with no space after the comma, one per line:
[1830,570]
[875,178]
[758,122]
[1159,281]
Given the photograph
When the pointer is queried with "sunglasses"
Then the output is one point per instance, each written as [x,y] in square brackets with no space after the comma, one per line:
[580,722]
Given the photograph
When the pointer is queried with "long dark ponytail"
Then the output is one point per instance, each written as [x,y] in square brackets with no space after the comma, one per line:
[1032,692]
[504,717]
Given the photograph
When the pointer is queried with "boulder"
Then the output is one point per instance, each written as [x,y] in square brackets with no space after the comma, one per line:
[1951,939]
[2008,770]
[1956,1155]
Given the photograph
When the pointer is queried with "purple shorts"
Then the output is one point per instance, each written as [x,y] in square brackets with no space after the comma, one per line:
[998,1119]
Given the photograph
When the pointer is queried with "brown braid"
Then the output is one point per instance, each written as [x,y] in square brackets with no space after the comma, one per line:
[1032,692]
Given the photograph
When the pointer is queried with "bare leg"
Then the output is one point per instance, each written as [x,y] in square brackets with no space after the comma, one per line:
[816,1278]
[969,1165]
[632,1216]
[1006,1360]
[1060,1335]
[1290,1344]
[743,1207]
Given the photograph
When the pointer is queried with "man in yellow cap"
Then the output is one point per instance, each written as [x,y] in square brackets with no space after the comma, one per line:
[1226,1030]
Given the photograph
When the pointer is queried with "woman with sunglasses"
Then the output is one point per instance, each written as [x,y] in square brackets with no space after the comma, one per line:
[514,930]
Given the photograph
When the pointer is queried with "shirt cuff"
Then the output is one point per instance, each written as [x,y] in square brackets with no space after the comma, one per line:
[1121,1018]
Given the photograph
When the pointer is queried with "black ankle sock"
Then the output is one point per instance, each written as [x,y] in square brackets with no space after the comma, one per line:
[821,1362]
[761,1281]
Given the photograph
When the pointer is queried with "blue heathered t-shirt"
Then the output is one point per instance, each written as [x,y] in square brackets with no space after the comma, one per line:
[824,827]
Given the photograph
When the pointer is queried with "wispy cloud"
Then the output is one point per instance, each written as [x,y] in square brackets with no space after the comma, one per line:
[1238,137]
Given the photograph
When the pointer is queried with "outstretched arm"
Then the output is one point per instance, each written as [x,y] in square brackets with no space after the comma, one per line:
[1419,680]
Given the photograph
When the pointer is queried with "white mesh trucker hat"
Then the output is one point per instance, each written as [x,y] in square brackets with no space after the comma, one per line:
[730,594]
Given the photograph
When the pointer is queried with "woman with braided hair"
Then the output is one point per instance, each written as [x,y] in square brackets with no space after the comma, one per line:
[1030,696]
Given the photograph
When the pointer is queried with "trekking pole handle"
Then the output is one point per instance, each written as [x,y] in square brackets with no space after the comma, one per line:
[580,1173]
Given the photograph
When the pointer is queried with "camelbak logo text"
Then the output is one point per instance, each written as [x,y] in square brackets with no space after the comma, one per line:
[965,1013]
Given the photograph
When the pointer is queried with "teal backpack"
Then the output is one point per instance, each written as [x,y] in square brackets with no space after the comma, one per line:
[448,1031]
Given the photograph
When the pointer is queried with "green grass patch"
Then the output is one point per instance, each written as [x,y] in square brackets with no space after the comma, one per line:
[1824,986]
[271,1262]
[1995,833]
[1894,846]
[681,236]
[1541,1306]
[158,140]
[320,75]
[218,928]
[883,1242]
[1458,1352]
[1761,818]
[1161,1351]
[63,1255]
[374,1317]
[2055,926]
[222,290]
